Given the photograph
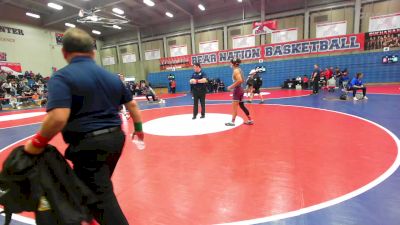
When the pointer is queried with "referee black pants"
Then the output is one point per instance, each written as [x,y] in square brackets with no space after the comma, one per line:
[315,86]
[94,162]
[196,97]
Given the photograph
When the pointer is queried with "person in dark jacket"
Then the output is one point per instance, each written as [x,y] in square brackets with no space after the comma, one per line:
[83,103]
[315,78]
[199,80]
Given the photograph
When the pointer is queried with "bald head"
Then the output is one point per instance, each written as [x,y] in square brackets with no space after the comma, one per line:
[76,40]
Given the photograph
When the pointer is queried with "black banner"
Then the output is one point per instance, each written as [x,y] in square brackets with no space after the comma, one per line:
[382,39]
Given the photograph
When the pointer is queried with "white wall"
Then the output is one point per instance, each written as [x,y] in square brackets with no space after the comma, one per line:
[36,50]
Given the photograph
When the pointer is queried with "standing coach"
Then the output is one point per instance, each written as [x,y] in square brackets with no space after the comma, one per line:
[83,103]
[198,81]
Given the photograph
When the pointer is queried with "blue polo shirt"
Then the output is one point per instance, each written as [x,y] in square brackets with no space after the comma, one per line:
[93,94]
[199,87]
[356,82]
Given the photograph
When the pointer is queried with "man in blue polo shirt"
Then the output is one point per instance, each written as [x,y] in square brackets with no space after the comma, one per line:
[199,80]
[357,84]
[83,103]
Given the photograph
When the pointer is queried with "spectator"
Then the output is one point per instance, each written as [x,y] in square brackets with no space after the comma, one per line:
[305,82]
[344,77]
[173,86]
[357,84]
[328,73]
[149,92]
[315,78]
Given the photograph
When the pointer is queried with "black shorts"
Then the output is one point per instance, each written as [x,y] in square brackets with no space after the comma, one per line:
[256,90]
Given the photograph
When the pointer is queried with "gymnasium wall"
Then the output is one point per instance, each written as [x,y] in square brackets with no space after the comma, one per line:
[278,71]
[142,68]
[36,50]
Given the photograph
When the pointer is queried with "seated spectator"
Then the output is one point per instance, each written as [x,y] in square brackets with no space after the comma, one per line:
[221,85]
[305,81]
[357,84]
[328,73]
[149,92]
[331,84]
[344,77]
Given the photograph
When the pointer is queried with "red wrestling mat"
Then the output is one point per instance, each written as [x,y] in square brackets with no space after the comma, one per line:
[384,89]
[162,96]
[281,164]
[22,117]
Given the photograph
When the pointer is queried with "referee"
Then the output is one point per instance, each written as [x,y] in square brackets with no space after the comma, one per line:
[83,103]
[198,81]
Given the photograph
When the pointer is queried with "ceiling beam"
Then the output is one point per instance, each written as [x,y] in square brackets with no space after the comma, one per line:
[27,8]
[60,20]
[179,7]
[64,18]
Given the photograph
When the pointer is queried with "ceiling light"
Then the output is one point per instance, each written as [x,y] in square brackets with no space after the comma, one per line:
[96,32]
[239,0]
[149,2]
[33,15]
[201,7]
[117,27]
[169,14]
[70,25]
[54,6]
[118,11]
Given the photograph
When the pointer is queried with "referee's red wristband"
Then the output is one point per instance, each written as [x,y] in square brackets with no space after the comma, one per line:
[39,141]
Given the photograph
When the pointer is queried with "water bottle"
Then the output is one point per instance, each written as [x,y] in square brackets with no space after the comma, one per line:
[140,145]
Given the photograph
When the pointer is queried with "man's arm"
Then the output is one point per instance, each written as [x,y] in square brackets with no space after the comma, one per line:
[202,80]
[53,123]
[136,116]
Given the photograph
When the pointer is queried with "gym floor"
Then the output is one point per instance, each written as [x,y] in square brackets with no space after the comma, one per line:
[307,160]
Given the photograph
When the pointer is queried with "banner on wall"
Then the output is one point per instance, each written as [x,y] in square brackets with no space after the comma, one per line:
[3,56]
[264,27]
[13,68]
[172,63]
[354,42]
[208,46]
[152,54]
[382,39]
[253,53]
[107,61]
[286,35]
[331,29]
[59,38]
[178,50]
[11,30]
[316,46]
[244,41]
[385,22]
[129,58]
